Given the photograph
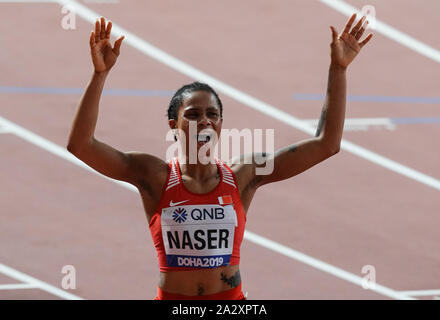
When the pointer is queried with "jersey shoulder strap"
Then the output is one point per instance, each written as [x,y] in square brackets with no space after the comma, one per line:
[227,174]
[173,178]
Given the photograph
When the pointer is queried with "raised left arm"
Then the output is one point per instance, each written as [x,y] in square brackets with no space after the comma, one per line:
[299,157]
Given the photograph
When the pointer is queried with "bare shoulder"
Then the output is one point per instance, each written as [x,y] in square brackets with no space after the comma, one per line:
[146,161]
[241,163]
[147,168]
[149,176]
[245,167]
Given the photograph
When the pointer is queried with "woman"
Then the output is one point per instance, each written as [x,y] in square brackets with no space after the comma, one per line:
[197,210]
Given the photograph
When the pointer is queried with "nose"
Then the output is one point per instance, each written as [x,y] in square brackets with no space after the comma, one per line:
[204,121]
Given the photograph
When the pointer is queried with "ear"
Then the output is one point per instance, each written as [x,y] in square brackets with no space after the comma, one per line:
[172,123]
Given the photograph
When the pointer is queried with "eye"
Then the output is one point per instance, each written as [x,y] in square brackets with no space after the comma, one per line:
[191,115]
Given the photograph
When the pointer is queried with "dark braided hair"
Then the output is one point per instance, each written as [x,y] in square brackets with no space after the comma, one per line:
[177,99]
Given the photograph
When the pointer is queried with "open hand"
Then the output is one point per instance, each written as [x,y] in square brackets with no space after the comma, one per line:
[103,55]
[345,47]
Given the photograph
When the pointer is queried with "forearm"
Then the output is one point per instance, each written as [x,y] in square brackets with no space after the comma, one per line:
[331,123]
[84,123]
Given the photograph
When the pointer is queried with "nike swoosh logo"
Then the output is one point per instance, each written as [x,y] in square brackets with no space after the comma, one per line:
[172,204]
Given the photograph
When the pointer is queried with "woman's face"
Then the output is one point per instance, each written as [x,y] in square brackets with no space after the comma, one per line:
[201,110]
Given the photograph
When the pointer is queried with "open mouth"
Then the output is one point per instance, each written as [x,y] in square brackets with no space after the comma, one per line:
[203,137]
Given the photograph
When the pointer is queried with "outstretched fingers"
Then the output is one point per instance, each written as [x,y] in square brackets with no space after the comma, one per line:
[357,27]
[358,30]
[101,31]
[359,34]
[334,34]
[102,28]
[117,46]
[97,31]
[92,39]
[368,38]
[109,30]
[349,23]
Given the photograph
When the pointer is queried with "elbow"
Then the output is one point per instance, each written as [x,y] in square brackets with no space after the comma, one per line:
[331,151]
[336,148]
[71,148]
[331,147]
[75,147]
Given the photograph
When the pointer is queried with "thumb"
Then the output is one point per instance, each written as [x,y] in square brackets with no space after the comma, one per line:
[334,33]
[117,46]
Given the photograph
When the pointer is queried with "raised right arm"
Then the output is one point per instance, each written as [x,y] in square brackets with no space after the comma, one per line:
[125,166]
[82,142]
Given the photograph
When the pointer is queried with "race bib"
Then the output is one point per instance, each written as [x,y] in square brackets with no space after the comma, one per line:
[198,236]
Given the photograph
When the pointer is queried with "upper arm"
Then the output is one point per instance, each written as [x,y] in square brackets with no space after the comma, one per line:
[125,166]
[258,169]
[292,160]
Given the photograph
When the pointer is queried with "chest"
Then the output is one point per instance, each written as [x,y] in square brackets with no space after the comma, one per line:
[201,187]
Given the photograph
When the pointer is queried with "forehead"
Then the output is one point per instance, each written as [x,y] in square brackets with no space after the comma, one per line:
[199,99]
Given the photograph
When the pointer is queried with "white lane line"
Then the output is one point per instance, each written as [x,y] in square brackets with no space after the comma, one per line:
[388,31]
[53,148]
[256,104]
[12,273]
[415,293]
[17,286]
[250,236]
[4,130]
[338,5]
[360,124]
[323,266]
[246,99]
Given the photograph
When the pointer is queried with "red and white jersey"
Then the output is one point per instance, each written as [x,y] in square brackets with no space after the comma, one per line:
[192,231]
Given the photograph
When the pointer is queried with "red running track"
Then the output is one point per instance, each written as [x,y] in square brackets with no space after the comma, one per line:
[347,211]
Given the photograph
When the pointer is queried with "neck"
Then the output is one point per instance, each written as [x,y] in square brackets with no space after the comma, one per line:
[198,171]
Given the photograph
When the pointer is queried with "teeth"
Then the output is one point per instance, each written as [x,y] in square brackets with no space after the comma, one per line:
[203,137]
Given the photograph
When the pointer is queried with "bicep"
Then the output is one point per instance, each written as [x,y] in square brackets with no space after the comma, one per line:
[292,160]
[108,160]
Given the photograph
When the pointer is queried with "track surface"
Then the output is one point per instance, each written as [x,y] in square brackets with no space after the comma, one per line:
[347,211]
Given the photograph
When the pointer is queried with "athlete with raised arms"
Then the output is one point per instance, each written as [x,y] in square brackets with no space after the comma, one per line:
[197,211]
